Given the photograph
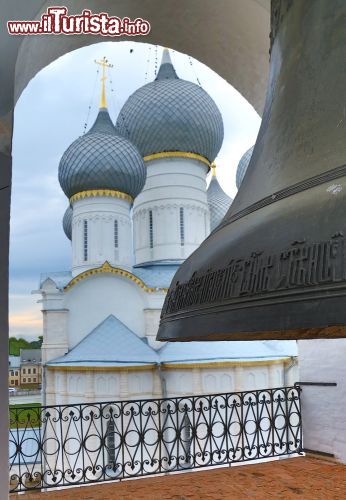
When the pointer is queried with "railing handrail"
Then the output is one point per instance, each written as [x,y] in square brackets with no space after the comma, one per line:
[71,444]
[118,401]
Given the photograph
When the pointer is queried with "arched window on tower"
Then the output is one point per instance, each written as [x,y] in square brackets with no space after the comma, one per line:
[182,226]
[85,240]
[116,234]
[151,229]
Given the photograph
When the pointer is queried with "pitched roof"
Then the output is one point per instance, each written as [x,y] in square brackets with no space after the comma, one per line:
[33,355]
[180,352]
[14,361]
[60,278]
[110,343]
[156,276]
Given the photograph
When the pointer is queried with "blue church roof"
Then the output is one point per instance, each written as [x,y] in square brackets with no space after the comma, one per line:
[60,278]
[156,276]
[111,342]
[180,352]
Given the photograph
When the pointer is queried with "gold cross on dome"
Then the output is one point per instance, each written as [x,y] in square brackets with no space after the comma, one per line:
[104,64]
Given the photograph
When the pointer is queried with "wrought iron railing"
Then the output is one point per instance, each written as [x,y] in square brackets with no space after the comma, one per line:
[55,446]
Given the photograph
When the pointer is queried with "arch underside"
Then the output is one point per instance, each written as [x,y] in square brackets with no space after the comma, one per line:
[231,37]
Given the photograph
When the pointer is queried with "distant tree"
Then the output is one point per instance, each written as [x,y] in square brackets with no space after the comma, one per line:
[15,345]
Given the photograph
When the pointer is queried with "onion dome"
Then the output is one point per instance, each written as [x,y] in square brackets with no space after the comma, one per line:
[67,222]
[218,201]
[102,159]
[242,166]
[170,114]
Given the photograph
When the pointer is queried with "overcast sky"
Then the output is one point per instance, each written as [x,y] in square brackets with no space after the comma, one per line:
[50,114]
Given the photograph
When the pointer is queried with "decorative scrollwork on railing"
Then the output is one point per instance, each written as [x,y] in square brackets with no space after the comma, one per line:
[55,446]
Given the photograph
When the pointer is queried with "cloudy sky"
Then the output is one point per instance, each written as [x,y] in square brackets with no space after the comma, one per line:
[50,114]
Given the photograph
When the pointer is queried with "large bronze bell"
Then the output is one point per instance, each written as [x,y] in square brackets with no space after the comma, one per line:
[275,268]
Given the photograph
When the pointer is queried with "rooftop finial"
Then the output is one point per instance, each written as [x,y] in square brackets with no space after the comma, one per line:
[166,70]
[213,169]
[104,64]
[166,57]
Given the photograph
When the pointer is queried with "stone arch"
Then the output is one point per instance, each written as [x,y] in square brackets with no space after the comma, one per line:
[238,51]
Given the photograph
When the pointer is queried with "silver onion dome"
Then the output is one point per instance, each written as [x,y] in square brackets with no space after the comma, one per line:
[242,166]
[67,222]
[102,159]
[218,202]
[170,114]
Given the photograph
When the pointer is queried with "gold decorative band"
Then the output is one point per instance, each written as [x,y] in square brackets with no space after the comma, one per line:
[82,368]
[177,154]
[173,366]
[225,364]
[100,192]
[107,268]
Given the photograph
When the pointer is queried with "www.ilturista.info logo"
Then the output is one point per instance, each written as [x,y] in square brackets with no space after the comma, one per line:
[56,21]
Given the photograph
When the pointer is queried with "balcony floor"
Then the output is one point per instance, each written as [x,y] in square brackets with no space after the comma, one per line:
[301,477]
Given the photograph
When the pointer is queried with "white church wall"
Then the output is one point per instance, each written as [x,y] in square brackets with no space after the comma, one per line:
[216,379]
[102,385]
[93,299]
[55,339]
[291,374]
[101,212]
[50,388]
[324,408]
[90,386]
[172,184]
[141,384]
[178,382]
[152,320]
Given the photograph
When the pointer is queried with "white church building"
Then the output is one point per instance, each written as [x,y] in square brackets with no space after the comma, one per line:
[138,206]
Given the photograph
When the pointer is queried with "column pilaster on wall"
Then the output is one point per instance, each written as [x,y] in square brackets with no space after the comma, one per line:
[238,378]
[197,381]
[124,389]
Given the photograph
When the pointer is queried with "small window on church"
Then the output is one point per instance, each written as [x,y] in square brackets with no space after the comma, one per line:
[182,227]
[85,249]
[116,234]
[151,229]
